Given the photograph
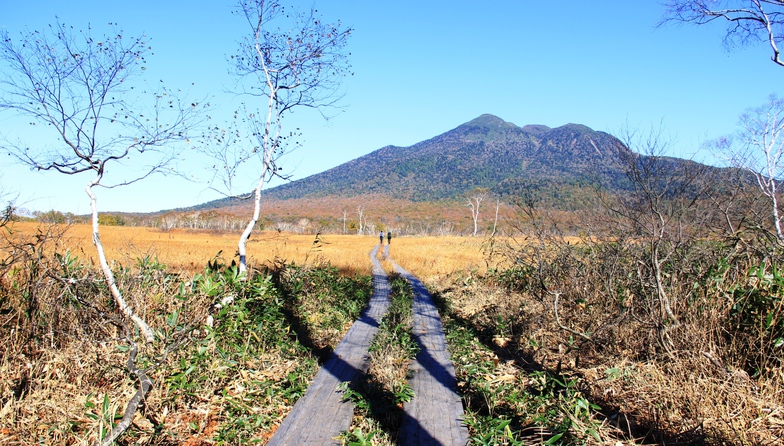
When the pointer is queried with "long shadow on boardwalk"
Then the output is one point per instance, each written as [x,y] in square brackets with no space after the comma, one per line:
[323,413]
[435,415]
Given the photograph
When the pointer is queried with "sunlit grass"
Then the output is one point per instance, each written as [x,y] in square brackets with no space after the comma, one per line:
[188,251]
[432,258]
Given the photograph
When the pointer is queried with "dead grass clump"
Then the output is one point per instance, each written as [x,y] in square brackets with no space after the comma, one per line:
[589,314]
[685,400]
[498,316]
[55,390]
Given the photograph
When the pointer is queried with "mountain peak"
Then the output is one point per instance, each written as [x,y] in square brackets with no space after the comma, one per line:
[579,128]
[536,129]
[489,121]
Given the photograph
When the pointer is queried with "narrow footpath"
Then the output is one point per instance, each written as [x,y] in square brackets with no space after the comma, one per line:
[434,417]
[323,413]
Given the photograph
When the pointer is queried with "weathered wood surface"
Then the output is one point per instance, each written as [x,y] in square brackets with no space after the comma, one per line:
[323,413]
[435,415]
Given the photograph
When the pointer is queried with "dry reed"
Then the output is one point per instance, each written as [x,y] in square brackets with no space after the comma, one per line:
[188,251]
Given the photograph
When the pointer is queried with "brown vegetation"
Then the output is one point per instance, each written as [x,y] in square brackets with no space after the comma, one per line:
[187,251]
[557,332]
[62,361]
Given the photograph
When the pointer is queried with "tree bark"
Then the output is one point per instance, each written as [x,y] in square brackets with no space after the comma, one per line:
[495,222]
[107,271]
[241,245]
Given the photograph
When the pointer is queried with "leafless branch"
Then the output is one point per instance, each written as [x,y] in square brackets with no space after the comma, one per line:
[288,60]
[747,20]
[561,325]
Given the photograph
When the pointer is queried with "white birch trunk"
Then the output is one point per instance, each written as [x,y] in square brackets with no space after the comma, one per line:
[266,155]
[360,213]
[773,154]
[107,271]
[771,186]
[474,213]
[495,223]
[241,245]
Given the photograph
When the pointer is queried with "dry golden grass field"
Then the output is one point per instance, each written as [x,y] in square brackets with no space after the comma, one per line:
[188,251]
[513,356]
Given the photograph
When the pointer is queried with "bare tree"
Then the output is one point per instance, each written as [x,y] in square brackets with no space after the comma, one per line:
[747,21]
[759,149]
[345,215]
[288,60]
[361,215]
[495,222]
[79,89]
[473,203]
[658,211]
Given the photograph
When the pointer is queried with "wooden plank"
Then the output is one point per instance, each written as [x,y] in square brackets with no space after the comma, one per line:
[322,413]
[435,415]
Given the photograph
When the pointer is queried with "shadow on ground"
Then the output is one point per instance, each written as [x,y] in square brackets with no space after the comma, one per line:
[627,426]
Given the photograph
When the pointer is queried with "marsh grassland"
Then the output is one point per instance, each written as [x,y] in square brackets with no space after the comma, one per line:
[188,251]
[554,339]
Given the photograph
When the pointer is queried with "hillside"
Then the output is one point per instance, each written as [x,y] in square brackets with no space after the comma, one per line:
[486,152]
[422,189]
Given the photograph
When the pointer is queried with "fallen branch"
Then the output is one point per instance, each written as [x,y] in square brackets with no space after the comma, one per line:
[145,383]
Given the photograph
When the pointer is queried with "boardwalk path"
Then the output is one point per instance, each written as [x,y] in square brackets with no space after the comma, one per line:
[432,418]
[435,415]
[323,413]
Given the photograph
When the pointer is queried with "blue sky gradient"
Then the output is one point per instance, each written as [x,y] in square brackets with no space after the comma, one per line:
[424,67]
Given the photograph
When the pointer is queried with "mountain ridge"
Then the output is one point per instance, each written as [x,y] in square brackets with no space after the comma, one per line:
[486,152]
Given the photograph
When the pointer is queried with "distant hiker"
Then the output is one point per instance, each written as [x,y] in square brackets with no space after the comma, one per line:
[389,238]
[381,238]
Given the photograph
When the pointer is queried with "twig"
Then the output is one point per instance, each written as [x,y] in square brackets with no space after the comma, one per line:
[145,383]
[562,326]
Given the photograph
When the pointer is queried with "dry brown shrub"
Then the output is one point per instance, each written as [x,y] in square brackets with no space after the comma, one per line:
[645,394]
[687,399]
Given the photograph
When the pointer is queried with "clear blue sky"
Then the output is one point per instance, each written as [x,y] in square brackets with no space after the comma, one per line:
[424,67]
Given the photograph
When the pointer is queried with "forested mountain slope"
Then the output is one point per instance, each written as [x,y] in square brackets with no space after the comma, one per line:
[560,165]
[485,152]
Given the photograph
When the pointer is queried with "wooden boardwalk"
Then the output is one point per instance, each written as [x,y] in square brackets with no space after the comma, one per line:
[432,418]
[323,413]
[435,415]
